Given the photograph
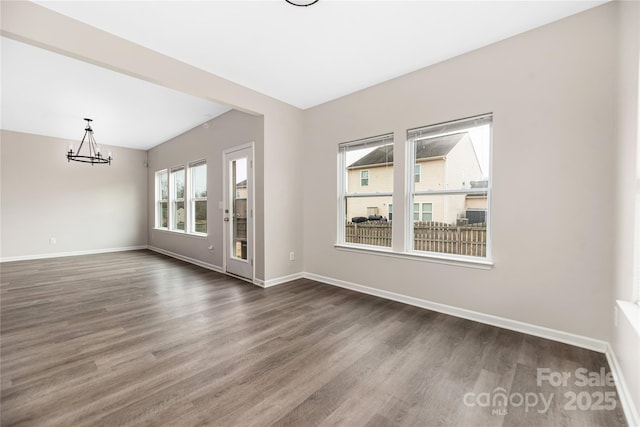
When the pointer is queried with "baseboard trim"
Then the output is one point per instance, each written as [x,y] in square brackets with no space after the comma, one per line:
[628,406]
[278,280]
[73,253]
[187,259]
[501,322]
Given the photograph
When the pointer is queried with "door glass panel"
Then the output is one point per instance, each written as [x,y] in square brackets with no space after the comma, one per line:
[239,206]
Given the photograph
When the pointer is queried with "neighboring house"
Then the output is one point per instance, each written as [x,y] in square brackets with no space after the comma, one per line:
[240,220]
[443,163]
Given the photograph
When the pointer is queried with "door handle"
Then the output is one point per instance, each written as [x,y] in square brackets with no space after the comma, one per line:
[226,219]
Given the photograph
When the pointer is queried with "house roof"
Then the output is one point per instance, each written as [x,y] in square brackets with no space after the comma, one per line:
[425,149]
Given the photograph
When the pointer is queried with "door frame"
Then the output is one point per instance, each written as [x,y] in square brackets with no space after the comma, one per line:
[251,205]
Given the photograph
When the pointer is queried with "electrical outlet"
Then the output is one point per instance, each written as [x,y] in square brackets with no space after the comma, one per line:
[292,256]
[52,240]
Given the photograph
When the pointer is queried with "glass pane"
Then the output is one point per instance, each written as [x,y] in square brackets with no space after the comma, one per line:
[163,184]
[459,224]
[162,214]
[177,177]
[178,215]
[363,229]
[239,205]
[427,209]
[453,162]
[199,181]
[200,216]
[369,169]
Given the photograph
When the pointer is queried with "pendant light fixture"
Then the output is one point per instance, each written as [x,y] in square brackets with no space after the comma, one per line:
[94,156]
[302,3]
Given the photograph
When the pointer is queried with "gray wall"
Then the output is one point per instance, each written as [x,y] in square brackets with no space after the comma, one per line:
[228,130]
[551,91]
[554,95]
[86,208]
[281,223]
[624,340]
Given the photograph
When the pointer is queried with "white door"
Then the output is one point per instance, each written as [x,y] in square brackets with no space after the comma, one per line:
[238,211]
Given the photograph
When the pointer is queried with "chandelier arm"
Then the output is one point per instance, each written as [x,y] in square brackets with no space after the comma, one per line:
[82,142]
[93,152]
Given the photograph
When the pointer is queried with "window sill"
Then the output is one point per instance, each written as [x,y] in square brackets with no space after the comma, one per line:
[632,313]
[184,233]
[482,264]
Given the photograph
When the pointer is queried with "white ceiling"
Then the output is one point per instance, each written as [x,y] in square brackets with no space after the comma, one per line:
[45,93]
[301,55]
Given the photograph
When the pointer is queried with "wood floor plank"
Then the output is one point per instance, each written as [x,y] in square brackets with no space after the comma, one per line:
[137,338]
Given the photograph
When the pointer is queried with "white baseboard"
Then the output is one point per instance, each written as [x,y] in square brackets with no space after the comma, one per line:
[73,253]
[501,322]
[278,280]
[628,406]
[186,259]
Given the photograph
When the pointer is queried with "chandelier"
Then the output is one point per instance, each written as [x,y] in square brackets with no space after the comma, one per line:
[303,3]
[94,155]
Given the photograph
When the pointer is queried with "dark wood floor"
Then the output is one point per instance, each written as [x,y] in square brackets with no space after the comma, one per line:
[136,338]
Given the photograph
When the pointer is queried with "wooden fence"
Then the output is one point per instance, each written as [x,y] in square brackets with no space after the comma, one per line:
[377,233]
[439,237]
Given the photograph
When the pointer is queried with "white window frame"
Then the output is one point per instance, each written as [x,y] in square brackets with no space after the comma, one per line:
[441,129]
[417,134]
[191,226]
[402,243]
[174,200]
[342,185]
[159,200]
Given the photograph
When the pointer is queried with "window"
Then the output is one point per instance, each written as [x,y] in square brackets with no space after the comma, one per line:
[417,173]
[454,188]
[198,197]
[390,211]
[177,198]
[359,222]
[173,211]
[162,197]
[364,178]
[427,212]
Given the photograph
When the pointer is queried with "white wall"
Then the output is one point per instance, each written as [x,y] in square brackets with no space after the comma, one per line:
[624,340]
[228,130]
[550,91]
[86,208]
